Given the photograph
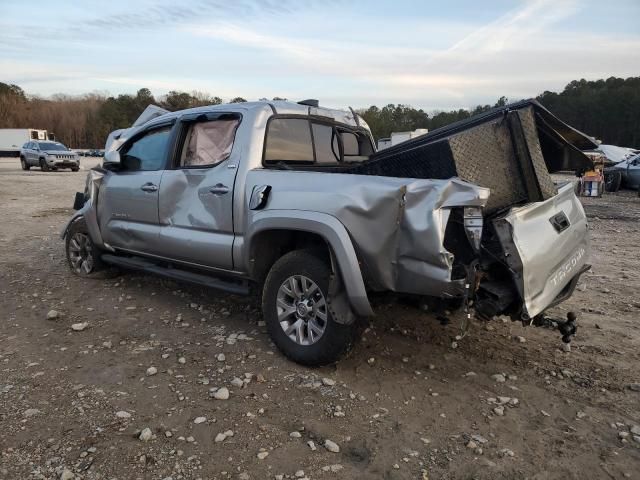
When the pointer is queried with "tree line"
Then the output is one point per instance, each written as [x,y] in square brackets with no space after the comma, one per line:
[606,109]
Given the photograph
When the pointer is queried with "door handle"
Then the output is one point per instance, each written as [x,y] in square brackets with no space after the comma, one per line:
[219,189]
[149,187]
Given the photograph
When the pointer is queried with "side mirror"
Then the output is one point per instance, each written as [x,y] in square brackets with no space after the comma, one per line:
[112,156]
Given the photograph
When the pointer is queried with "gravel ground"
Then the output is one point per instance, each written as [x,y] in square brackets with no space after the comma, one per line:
[137,377]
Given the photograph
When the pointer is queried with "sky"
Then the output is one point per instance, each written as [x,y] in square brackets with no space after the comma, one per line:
[428,54]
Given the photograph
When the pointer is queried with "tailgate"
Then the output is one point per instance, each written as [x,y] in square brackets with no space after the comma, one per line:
[547,245]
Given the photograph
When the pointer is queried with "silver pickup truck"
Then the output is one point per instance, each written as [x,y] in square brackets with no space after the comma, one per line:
[292,200]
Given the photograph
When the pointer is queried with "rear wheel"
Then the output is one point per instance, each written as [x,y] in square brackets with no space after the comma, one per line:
[24,164]
[296,310]
[83,256]
[612,180]
[75,169]
[43,165]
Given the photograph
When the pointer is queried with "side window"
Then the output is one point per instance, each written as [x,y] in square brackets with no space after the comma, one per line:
[208,143]
[326,143]
[350,144]
[148,152]
[288,139]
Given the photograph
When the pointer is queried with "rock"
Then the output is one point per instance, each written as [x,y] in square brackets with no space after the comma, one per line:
[199,420]
[221,394]
[545,413]
[221,357]
[78,327]
[520,339]
[182,360]
[151,371]
[480,439]
[52,314]
[635,429]
[146,434]
[635,387]
[566,347]
[123,414]
[295,435]
[67,475]
[237,382]
[636,438]
[504,400]
[299,474]
[499,411]
[107,344]
[371,361]
[471,444]
[331,446]
[505,452]
[329,382]
[244,476]
[498,377]
[623,435]
[312,445]
[31,412]
[221,437]
[581,415]
[262,455]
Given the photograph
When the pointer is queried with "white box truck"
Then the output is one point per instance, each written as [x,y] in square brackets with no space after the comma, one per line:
[399,137]
[12,139]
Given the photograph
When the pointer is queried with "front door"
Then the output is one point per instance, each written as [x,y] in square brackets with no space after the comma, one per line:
[128,199]
[196,194]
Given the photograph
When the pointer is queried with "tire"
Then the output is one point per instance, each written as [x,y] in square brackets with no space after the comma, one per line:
[43,165]
[612,181]
[23,163]
[76,169]
[82,255]
[304,269]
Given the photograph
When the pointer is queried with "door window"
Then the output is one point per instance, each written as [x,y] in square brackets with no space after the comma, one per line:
[208,143]
[148,152]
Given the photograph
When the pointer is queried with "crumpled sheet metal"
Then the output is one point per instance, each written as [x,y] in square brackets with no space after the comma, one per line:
[397,225]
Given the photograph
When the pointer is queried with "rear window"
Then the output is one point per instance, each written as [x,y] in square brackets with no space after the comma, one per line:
[326,143]
[289,140]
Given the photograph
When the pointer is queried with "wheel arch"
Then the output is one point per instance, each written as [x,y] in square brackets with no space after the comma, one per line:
[286,230]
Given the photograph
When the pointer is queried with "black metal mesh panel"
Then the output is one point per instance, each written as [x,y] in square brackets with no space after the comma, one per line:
[433,160]
[528,122]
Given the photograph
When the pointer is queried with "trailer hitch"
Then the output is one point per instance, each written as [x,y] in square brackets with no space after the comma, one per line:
[568,328]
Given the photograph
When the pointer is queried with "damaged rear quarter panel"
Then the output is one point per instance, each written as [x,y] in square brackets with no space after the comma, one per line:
[396,224]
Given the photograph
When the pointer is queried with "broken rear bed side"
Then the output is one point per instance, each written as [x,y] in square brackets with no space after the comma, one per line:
[526,247]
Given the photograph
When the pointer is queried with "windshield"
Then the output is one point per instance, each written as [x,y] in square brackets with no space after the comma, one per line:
[52,146]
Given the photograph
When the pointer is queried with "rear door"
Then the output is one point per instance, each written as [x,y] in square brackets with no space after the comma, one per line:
[196,193]
[128,203]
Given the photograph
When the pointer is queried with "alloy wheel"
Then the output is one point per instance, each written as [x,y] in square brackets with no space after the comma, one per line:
[302,310]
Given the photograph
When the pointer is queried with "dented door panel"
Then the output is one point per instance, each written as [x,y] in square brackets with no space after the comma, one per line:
[195,210]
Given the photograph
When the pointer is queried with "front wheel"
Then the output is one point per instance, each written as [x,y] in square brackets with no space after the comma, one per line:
[295,308]
[24,164]
[43,165]
[83,256]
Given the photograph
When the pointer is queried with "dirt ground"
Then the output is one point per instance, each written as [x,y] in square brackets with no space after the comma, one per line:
[403,405]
